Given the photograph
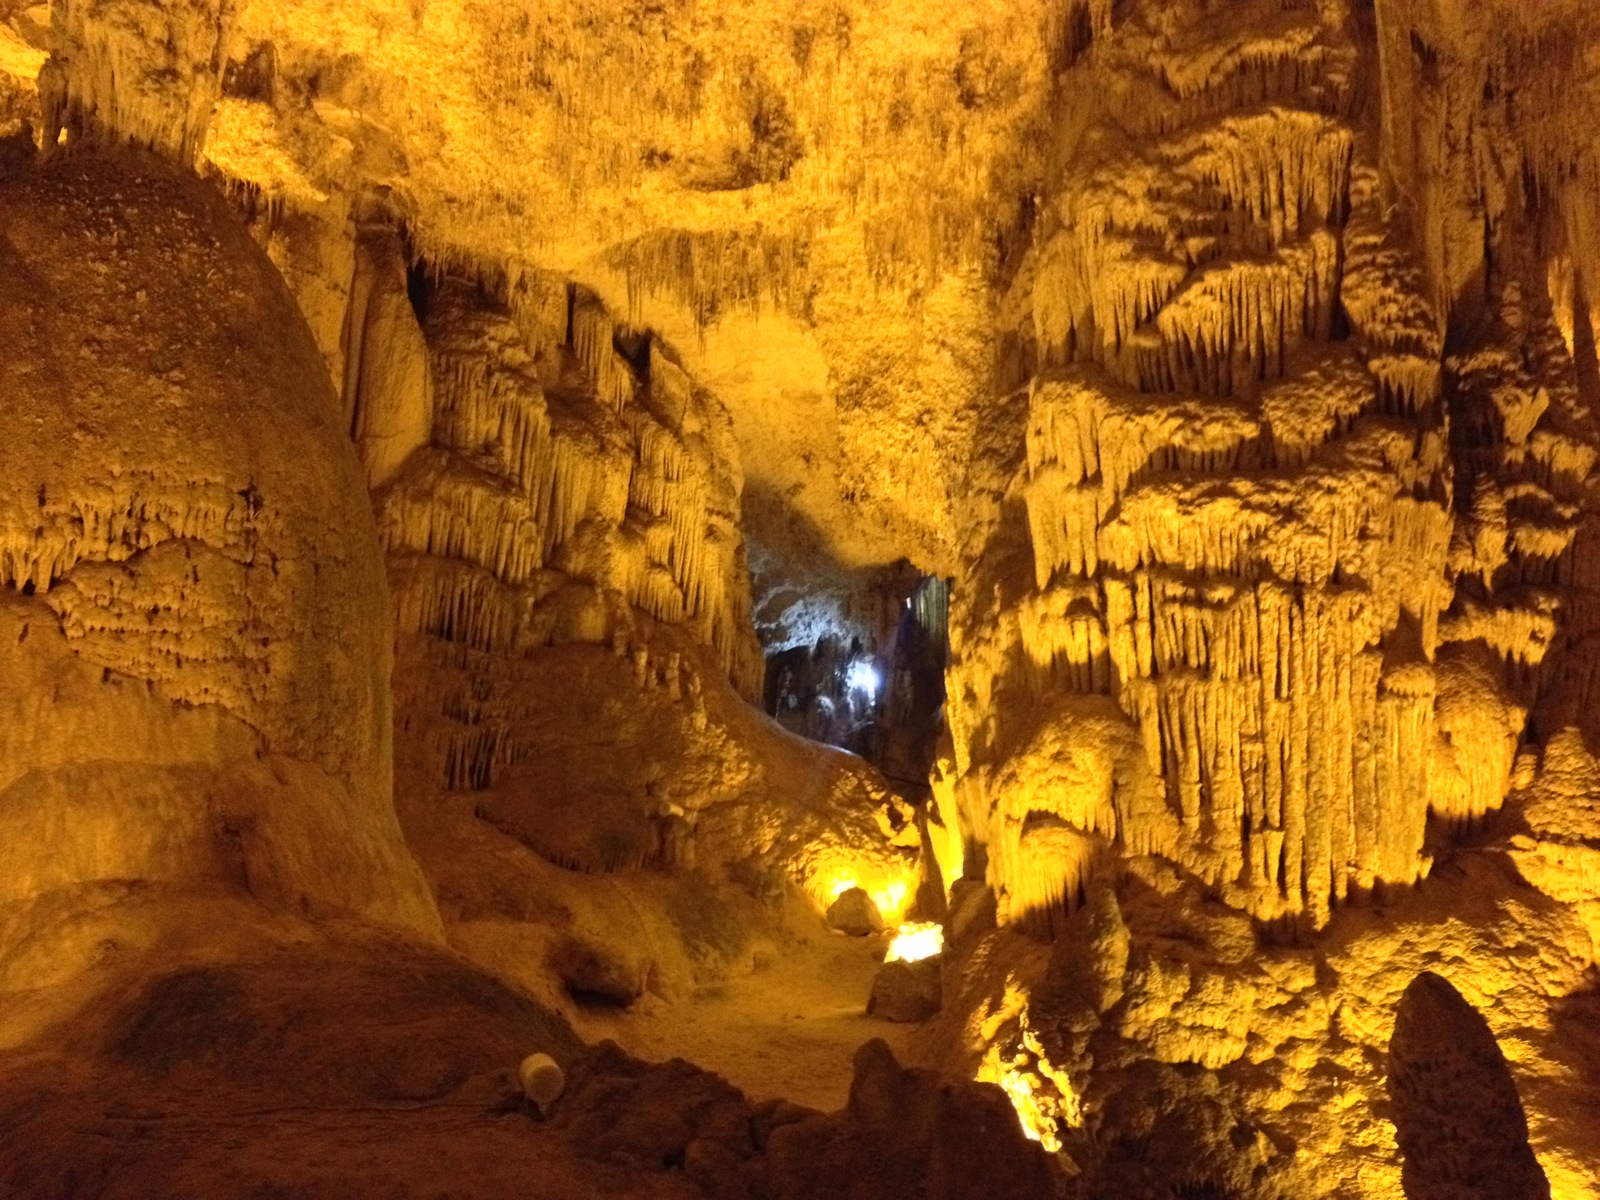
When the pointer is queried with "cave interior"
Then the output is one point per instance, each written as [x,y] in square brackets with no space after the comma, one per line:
[794,599]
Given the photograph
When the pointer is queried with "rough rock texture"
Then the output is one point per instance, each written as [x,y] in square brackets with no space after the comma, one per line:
[549,465]
[854,914]
[1236,361]
[906,991]
[1290,582]
[197,632]
[1456,1111]
[334,1065]
[576,653]
[904,1133]
[730,178]
[1255,521]
[141,71]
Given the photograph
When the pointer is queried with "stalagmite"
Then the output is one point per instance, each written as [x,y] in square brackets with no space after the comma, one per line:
[188,553]
[388,384]
[515,516]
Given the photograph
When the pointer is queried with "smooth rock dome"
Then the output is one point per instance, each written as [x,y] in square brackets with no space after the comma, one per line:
[193,587]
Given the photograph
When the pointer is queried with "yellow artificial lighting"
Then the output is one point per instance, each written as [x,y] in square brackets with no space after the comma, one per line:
[1041,1093]
[915,942]
[890,898]
[889,889]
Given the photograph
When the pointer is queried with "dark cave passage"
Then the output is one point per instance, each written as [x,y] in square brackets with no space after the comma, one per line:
[876,691]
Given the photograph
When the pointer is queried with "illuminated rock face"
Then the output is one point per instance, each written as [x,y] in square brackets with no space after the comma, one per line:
[551,464]
[198,634]
[1235,360]
[1313,565]
[573,605]
[818,180]
[148,70]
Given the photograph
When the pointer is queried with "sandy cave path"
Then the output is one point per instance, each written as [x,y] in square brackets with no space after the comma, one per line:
[789,1030]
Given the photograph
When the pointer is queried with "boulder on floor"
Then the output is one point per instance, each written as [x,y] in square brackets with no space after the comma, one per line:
[904,1132]
[854,913]
[906,991]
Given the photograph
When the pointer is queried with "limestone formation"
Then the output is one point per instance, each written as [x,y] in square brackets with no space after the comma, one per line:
[1152,443]
[854,913]
[1238,492]
[903,1133]
[906,991]
[1441,1054]
[197,625]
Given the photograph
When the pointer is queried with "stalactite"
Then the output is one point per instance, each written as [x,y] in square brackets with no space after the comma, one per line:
[1238,488]
[593,342]
[146,72]
[532,506]
[120,518]
[1283,168]
[707,273]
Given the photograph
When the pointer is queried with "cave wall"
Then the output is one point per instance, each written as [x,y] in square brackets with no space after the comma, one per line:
[199,632]
[1305,518]
[550,611]
[1285,613]
[1236,361]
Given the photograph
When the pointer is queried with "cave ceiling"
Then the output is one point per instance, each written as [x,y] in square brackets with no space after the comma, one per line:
[1233,360]
[825,207]
[809,200]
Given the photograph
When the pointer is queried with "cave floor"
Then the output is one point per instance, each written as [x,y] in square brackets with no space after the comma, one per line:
[788,1030]
[328,1063]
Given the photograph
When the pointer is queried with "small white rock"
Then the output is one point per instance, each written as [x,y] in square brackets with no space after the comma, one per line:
[542,1079]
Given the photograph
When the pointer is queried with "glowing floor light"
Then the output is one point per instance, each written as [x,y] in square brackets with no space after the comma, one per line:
[863,676]
[913,943]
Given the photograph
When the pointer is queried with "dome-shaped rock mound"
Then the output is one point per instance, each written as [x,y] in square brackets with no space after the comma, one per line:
[193,615]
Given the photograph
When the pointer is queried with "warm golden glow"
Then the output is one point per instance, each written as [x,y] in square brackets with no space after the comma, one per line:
[889,891]
[1157,437]
[916,941]
[944,834]
[1041,1093]
[890,898]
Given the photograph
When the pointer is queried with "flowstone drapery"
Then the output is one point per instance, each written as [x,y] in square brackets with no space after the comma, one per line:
[1307,559]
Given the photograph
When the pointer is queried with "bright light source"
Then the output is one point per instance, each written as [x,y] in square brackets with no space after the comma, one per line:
[863,676]
[915,942]
[890,899]
[834,879]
